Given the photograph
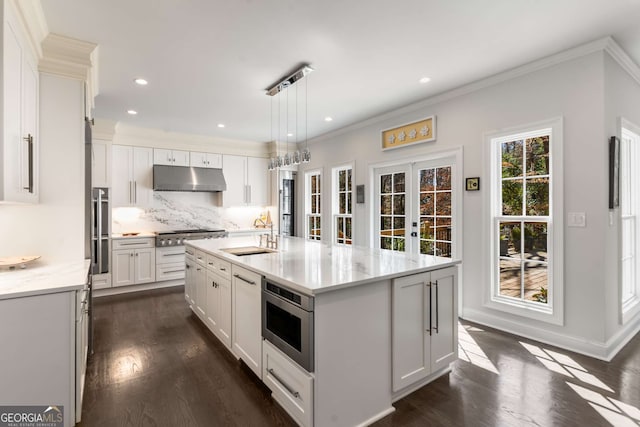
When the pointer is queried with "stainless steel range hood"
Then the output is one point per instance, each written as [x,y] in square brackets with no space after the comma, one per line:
[183,178]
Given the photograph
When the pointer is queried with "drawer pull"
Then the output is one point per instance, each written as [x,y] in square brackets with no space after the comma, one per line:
[251,282]
[223,269]
[131,244]
[180,254]
[173,271]
[289,389]
[190,253]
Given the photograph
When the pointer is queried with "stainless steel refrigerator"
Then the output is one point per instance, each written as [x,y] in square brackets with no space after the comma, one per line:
[100,236]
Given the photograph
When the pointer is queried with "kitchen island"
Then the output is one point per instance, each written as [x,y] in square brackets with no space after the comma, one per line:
[381,324]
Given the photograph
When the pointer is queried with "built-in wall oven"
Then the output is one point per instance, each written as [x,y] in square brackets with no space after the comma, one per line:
[287,322]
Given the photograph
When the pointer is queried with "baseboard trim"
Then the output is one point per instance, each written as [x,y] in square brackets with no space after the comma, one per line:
[622,337]
[377,417]
[597,350]
[410,389]
[137,288]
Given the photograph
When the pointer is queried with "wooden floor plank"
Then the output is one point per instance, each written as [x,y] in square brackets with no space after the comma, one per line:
[156,364]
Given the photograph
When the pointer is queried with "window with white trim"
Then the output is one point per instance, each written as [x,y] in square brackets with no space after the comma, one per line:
[629,190]
[342,204]
[525,211]
[313,203]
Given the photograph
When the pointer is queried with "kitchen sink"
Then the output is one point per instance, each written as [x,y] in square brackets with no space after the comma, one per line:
[248,250]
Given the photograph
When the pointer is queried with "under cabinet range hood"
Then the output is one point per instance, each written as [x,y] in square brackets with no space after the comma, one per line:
[184,178]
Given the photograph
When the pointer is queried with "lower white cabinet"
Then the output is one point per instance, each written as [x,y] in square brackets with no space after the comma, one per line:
[424,325]
[133,261]
[44,353]
[170,263]
[290,386]
[101,281]
[190,280]
[246,309]
[200,288]
[219,306]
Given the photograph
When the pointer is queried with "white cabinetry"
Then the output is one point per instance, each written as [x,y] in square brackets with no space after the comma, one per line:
[205,160]
[290,385]
[246,309]
[200,291]
[189,277]
[133,261]
[43,359]
[170,263]
[247,181]
[424,325]
[20,140]
[100,163]
[132,177]
[162,156]
[219,298]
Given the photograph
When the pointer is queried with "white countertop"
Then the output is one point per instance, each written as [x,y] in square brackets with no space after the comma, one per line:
[316,267]
[142,234]
[42,278]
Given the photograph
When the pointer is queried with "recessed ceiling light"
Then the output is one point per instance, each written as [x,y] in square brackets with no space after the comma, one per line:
[220,125]
[141,82]
[132,112]
[289,134]
[424,80]
[328,119]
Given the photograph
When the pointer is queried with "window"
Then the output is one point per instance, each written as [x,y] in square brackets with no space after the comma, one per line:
[524,215]
[629,188]
[342,204]
[313,204]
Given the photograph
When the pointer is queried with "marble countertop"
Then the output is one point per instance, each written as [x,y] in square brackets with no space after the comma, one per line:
[44,278]
[141,234]
[316,267]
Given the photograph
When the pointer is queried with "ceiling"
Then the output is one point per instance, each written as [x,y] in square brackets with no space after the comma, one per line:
[210,61]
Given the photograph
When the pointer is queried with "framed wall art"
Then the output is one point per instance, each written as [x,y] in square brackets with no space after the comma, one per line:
[408,134]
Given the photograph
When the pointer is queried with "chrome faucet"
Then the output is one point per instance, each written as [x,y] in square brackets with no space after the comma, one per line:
[272,241]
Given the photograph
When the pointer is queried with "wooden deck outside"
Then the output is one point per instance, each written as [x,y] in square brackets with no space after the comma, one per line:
[535,277]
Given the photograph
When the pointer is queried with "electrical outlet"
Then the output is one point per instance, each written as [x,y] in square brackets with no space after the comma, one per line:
[577,219]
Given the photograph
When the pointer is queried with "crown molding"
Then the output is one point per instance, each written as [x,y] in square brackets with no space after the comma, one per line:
[103,129]
[66,57]
[622,58]
[604,44]
[31,17]
[156,138]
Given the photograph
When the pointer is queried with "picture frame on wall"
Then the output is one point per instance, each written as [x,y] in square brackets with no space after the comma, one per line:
[614,172]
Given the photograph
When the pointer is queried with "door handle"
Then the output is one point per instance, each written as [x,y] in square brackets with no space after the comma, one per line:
[285,385]
[437,315]
[135,191]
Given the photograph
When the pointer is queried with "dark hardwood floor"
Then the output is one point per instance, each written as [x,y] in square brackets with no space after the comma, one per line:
[156,364]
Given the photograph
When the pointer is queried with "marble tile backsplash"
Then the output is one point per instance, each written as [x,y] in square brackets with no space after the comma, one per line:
[179,211]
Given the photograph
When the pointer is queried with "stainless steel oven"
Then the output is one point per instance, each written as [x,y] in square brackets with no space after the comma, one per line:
[287,322]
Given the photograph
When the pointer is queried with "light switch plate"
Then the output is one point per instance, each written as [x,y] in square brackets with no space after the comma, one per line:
[577,219]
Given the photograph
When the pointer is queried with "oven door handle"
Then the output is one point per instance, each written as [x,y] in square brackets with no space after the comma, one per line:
[284,384]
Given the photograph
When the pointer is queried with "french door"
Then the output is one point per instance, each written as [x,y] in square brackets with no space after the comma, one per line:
[415,207]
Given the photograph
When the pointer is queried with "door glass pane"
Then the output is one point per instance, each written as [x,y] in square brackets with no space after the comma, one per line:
[427,247]
[443,178]
[398,182]
[385,205]
[398,204]
[427,178]
[443,249]
[427,227]
[443,203]
[398,226]
[427,203]
[385,183]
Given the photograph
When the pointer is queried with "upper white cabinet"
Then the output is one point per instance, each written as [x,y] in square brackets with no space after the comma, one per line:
[247,181]
[424,325]
[20,139]
[162,156]
[131,176]
[100,163]
[205,160]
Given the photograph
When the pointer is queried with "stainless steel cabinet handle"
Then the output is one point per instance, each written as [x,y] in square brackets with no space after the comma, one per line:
[223,269]
[285,385]
[29,140]
[251,282]
[172,254]
[137,254]
[131,254]
[437,316]
[429,311]
[131,244]
[198,269]
[135,191]
[131,192]
[190,253]
[188,266]
[173,271]
[98,208]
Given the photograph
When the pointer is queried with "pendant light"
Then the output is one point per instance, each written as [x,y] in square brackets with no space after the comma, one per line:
[283,85]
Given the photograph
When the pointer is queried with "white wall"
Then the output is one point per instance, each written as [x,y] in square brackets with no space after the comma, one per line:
[622,100]
[54,228]
[573,89]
